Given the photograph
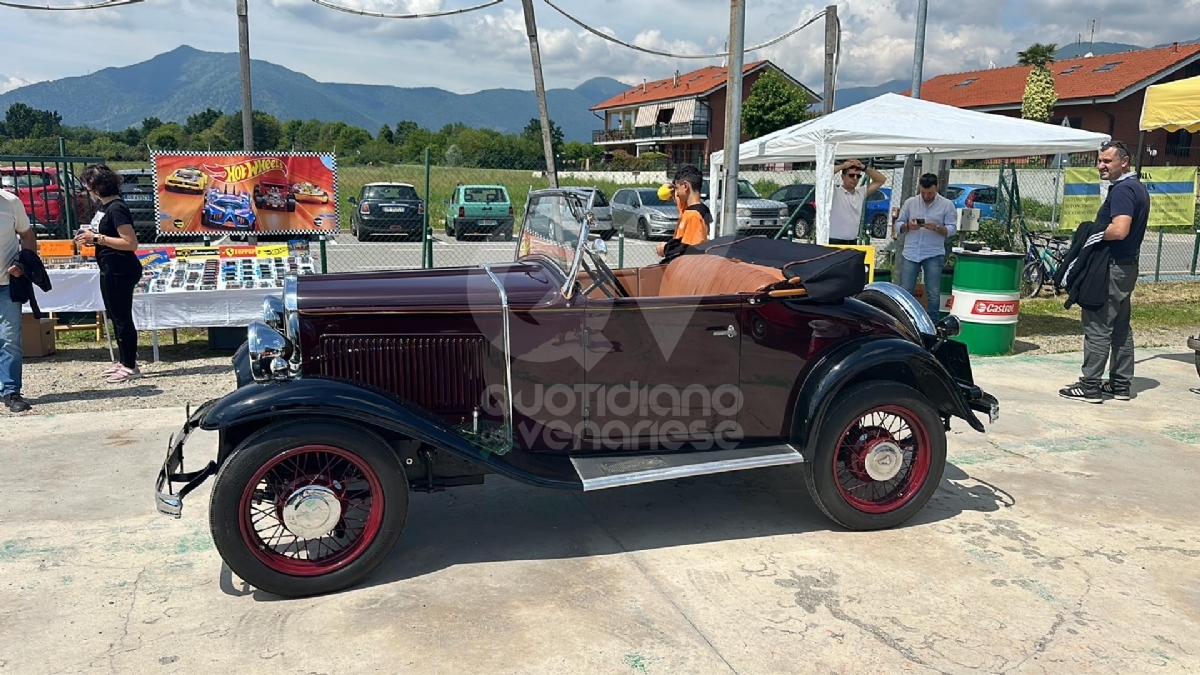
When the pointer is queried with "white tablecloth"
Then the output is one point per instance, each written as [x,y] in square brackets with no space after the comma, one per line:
[79,291]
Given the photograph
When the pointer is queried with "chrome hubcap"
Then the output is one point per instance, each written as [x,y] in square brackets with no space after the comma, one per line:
[312,511]
[884,460]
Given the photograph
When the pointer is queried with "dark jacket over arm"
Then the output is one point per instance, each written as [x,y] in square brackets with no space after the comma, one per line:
[1084,272]
[33,272]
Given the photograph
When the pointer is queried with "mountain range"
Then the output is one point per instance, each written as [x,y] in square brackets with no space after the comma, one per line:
[185,81]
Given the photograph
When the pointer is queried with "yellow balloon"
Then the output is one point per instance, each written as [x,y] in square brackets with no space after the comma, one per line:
[665,192]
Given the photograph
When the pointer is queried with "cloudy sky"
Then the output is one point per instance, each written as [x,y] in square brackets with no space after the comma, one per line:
[489,49]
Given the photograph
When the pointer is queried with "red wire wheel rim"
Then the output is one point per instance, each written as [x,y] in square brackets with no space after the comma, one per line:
[266,536]
[888,423]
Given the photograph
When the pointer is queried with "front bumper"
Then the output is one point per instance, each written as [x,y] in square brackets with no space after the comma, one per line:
[166,499]
[980,401]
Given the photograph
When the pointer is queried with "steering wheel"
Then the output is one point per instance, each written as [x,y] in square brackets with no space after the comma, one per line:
[603,277]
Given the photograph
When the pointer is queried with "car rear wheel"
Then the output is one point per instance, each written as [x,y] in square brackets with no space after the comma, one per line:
[361,235]
[644,229]
[879,227]
[880,454]
[801,228]
[309,508]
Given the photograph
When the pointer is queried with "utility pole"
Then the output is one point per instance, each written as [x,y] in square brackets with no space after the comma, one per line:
[244,53]
[733,116]
[540,87]
[907,187]
[831,40]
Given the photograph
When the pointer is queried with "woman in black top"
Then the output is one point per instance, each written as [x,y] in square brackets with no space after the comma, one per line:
[111,231]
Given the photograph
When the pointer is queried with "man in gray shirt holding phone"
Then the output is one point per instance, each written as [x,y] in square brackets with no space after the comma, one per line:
[927,219]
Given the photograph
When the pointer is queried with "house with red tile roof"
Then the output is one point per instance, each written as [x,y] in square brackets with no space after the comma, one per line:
[1096,93]
[682,116]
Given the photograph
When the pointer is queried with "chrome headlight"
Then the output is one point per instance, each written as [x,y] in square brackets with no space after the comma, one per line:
[783,213]
[743,213]
[269,352]
[273,312]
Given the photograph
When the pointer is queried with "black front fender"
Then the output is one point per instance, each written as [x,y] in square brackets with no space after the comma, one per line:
[337,399]
[874,359]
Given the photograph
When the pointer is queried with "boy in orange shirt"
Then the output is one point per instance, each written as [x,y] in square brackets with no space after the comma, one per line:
[694,216]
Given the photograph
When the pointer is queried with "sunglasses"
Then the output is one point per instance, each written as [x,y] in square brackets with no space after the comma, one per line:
[854,175]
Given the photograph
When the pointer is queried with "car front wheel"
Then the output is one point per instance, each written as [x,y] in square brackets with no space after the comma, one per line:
[879,227]
[880,454]
[800,228]
[309,508]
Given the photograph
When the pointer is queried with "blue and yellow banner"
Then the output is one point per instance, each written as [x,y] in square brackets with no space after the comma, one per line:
[1081,196]
[1172,195]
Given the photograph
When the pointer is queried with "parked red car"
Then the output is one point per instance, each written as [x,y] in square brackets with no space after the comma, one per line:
[46,196]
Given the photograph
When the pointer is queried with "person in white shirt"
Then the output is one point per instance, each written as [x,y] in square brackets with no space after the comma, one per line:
[845,213]
[928,220]
[15,234]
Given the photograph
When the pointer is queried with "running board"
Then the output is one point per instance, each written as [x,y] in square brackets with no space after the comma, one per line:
[598,473]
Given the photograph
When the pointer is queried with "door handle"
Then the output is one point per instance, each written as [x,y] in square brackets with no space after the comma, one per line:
[729,332]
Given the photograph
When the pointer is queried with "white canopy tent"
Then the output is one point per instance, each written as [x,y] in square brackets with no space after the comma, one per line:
[899,125]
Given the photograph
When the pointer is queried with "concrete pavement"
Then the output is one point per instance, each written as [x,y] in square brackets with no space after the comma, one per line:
[1062,541]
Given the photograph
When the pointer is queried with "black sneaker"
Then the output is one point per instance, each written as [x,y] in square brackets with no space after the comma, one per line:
[15,403]
[1121,394]
[1081,392]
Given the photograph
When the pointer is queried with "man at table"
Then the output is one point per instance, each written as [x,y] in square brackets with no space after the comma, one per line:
[928,219]
[15,234]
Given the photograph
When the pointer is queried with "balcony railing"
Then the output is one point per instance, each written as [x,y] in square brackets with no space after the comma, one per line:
[696,128]
[673,130]
[603,135]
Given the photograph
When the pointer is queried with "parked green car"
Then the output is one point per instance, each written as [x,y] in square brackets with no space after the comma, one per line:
[479,210]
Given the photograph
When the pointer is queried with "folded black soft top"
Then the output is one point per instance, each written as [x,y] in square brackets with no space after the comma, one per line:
[829,274]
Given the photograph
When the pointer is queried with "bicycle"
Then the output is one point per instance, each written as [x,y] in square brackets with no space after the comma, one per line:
[1043,256]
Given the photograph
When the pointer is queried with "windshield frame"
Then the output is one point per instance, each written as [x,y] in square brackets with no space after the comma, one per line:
[584,215]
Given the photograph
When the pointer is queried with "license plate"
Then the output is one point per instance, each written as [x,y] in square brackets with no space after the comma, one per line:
[487,223]
[393,209]
[396,227]
[137,198]
[767,222]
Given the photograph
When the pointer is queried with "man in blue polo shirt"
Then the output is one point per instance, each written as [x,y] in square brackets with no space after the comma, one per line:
[928,218]
[1106,330]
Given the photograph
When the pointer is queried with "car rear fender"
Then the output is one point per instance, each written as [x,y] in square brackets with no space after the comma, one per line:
[869,359]
[254,405]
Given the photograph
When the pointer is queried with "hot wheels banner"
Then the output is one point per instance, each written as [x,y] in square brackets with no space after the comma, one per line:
[244,193]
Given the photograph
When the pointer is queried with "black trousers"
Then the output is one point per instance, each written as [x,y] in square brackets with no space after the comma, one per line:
[117,292]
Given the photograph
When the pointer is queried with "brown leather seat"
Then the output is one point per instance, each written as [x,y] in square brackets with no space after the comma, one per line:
[715,275]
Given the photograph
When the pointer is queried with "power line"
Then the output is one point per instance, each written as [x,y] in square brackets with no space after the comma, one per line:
[69,8]
[382,15]
[655,52]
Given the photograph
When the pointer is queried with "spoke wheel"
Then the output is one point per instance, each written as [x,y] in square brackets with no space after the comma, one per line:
[882,457]
[308,507]
[879,455]
[1033,275]
[311,510]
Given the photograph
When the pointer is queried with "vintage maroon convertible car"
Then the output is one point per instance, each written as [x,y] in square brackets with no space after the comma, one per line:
[560,372]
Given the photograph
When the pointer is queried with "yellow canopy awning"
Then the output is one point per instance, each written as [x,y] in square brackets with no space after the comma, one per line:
[1172,106]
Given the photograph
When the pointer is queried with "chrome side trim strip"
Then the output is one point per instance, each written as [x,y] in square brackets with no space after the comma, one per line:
[508,421]
[599,473]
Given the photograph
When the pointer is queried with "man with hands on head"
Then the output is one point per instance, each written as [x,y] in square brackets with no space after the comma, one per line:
[927,219]
[845,214]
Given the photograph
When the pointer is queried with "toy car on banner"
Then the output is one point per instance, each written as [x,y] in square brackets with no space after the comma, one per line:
[357,389]
[188,179]
[228,210]
[275,196]
[307,192]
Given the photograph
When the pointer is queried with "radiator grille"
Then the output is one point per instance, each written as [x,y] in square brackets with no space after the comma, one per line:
[446,375]
[764,213]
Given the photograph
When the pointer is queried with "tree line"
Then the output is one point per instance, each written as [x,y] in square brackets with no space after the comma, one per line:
[28,131]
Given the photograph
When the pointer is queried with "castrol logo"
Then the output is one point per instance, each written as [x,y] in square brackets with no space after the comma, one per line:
[995,308]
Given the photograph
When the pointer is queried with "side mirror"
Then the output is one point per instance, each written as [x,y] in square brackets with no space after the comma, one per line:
[352,200]
[446,202]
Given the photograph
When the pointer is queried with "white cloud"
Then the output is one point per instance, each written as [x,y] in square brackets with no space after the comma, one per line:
[489,48]
[8,83]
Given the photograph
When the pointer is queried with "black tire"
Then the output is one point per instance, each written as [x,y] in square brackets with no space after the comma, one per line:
[458,235]
[361,236]
[888,305]
[232,490]
[879,227]
[835,463]
[607,234]
[1033,275]
[643,229]
[449,229]
[291,205]
[800,228]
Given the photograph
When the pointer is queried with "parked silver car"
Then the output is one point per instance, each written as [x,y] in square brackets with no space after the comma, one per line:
[640,213]
[755,215]
[601,207]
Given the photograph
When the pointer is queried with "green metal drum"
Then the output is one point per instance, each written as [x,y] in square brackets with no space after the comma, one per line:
[986,298]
